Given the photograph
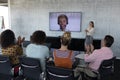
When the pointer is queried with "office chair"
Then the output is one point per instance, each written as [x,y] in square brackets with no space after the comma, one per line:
[26,43]
[106,70]
[56,73]
[30,68]
[6,71]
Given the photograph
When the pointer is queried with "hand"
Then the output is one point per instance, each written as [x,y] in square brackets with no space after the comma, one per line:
[20,40]
[86,30]
[88,53]
[92,48]
[50,59]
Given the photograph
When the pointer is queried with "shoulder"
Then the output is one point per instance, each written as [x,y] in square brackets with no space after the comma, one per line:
[31,45]
[95,51]
[63,52]
[44,47]
[15,46]
[58,50]
[67,29]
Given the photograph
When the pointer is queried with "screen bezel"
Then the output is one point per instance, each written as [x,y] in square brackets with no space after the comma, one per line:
[58,13]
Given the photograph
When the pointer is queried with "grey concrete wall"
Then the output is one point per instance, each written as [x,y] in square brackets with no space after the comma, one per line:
[30,15]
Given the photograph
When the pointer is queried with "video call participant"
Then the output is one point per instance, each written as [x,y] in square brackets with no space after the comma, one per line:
[62,22]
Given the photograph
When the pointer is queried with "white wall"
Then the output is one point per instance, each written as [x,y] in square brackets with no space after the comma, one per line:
[30,15]
[4,13]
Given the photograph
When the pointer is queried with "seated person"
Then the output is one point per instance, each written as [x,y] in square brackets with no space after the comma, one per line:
[10,47]
[97,56]
[63,57]
[37,49]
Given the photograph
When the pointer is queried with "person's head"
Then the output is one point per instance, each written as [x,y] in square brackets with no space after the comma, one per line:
[62,21]
[7,38]
[108,41]
[91,23]
[38,37]
[66,38]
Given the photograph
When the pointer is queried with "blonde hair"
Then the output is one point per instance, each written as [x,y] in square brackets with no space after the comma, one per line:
[66,38]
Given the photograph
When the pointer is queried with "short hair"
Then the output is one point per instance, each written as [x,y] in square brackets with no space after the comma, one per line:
[7,38]
[62,16]
[38,37]
[108,40]
[66,38]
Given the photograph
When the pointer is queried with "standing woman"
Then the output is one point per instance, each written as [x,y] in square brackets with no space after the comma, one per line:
[89,37]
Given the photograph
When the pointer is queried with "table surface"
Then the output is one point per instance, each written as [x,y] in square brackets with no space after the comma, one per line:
[80,56]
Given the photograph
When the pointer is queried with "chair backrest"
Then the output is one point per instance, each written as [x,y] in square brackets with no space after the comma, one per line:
[5,66]
[26,43]
[56,73]
[107,67]
[30,67]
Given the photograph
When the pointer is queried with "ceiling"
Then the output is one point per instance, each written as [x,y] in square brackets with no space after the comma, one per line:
[3,1]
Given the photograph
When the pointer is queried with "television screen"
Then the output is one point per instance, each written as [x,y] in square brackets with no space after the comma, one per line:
[65,21]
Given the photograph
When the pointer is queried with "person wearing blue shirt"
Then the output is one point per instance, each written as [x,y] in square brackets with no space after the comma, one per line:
[37,49]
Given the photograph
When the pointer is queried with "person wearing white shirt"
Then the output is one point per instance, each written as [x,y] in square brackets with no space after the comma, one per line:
[89,37]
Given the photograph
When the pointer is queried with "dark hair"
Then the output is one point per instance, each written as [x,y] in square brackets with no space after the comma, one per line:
[7,38]
[38,37]
[66,38]
[62,16]
[92,23]
[108,40]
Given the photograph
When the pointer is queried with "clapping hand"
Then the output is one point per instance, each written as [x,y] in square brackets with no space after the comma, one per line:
[20,40]
[86,30]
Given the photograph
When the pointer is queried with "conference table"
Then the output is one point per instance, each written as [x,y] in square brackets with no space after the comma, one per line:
[80,56]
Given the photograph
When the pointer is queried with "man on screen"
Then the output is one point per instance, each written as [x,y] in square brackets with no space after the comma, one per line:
[63,21]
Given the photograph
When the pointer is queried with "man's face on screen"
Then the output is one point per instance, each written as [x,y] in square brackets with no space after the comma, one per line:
[62,23]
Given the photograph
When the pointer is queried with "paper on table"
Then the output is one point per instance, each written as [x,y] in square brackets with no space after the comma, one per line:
[80,56]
